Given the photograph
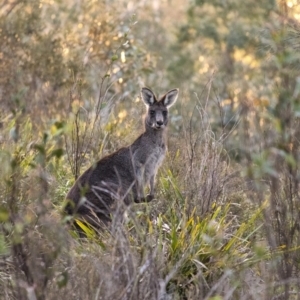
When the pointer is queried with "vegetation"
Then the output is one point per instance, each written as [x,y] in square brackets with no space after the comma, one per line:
[225,224]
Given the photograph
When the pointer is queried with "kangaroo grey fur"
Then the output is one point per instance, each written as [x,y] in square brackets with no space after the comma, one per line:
[124,174]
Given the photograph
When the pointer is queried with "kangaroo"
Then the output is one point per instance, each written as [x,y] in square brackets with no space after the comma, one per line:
[123,175]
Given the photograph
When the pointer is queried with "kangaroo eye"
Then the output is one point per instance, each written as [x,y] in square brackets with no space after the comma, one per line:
[152,113]
[165,113]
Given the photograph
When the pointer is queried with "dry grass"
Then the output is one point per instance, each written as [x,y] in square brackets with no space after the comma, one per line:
[204,237]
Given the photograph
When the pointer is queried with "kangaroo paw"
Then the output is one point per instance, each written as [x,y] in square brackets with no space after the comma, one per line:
[139,200]
[149,198]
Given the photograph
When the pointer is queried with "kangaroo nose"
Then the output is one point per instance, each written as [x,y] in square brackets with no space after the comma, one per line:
[159,123]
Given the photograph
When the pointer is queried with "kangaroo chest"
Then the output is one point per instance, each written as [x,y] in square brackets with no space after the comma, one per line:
[154,160]
[155,157]
[148,158]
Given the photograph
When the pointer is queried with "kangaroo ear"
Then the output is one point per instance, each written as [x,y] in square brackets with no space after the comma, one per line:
[170,98]
[148,96]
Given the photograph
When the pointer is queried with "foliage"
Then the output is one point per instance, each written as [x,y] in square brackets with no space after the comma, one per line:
[225,221]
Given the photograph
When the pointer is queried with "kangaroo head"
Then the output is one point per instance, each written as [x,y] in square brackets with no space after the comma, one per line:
[157,114]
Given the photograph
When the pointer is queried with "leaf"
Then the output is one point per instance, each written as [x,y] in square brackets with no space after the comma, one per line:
[58,153]
[114,57]
[14,135]
[40,148]
[174,239]
[4,214]
[62,279]
[3,246]
[59,125]
[90,233]
[57,128]
[45,137]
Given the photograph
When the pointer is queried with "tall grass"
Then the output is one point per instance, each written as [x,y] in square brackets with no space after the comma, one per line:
[200,239]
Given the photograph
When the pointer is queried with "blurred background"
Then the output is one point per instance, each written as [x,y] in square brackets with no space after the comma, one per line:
[247,53]
[70,80]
